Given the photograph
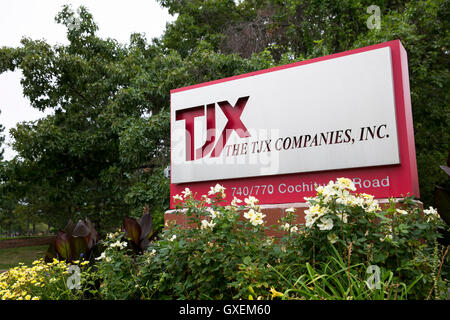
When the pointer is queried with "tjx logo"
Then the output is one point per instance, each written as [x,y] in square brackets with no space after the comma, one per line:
[234,123]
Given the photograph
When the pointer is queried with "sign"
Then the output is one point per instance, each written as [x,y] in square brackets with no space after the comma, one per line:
[277,133]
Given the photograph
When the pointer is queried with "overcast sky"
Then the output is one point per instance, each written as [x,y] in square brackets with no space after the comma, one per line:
[35,19]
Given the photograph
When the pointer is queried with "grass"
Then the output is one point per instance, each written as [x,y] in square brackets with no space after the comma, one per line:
[24,237]
[11,257]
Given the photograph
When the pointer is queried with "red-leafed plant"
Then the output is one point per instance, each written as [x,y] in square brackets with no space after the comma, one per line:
[74,242]
[139,232]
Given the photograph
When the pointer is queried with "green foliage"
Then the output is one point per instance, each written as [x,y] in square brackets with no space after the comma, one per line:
[398,240]
[301,29]
[337,280]
[116,269]
[225,252]
[111,100]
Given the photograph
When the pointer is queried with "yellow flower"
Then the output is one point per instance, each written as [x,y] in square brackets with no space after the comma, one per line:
[275,293]
[28,297]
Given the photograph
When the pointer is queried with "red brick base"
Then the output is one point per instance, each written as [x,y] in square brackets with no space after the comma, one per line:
[273,214]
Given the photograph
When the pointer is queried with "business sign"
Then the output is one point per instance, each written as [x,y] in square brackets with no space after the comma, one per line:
[277,133]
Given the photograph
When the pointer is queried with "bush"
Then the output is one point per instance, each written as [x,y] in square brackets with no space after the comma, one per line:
[349,248]
[225,253]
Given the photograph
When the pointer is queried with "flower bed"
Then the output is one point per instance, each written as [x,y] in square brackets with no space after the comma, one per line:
[348,248]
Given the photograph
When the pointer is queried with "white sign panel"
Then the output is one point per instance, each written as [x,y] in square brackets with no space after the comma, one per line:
[332,114]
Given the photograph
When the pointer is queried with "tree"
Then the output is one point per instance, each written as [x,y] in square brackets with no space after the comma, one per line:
[103,152]
[2,140]
[293,30]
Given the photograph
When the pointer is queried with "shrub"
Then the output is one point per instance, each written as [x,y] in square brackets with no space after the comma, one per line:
[225,253]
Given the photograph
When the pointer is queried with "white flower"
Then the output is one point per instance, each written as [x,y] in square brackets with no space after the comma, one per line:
[255,217]
[431,211]
[217,189]
[250,214]
[285,226]
[101,257]
[346,183]
[207,225]
[389,236]
[173,237]
[251,201]
[319,189]
[309,221]
[294,229]
[177,197]
[257,220]
[235,201]
[214,214]
[118,244]
[404,212]
[187,192]
[326,224]
[290,210]
[206,199]
[366,196]
[332,237]
[373,207]
[343,217]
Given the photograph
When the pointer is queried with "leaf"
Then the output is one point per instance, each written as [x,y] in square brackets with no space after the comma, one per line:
[133,229]
[442,203]
[51,253]
[62,245]
[81,230]
[69,228]
[78,246]
[446,169]
[144,244]
[146,223]
[93,235]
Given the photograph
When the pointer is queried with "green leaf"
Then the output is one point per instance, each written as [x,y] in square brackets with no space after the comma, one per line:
[247,260]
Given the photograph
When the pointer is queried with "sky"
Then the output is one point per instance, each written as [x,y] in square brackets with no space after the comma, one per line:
[35,19]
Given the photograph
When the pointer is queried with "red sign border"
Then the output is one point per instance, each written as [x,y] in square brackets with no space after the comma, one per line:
[403,177]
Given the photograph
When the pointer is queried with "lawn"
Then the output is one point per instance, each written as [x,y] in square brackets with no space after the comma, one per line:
[11,257]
